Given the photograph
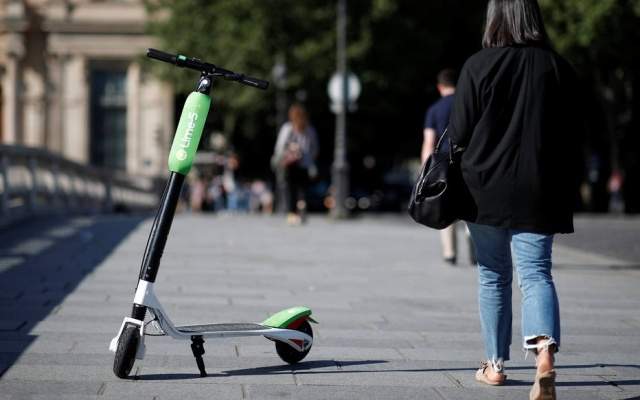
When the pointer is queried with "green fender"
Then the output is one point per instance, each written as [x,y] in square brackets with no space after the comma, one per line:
[284,318]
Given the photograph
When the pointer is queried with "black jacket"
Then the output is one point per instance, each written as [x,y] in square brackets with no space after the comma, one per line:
[516,113]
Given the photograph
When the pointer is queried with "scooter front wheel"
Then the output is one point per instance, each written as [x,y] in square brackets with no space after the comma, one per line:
[126,351]
[290,355]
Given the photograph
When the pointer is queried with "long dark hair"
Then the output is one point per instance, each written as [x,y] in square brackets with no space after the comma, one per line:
[514,22]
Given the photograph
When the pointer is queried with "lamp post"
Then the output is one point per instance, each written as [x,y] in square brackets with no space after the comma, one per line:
[279,74]
[340,167]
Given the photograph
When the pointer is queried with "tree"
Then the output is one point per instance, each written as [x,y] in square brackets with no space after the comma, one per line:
[396,47]
[598,37]
[246,36]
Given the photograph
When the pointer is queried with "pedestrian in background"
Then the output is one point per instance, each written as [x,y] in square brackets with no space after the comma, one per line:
[516,114]
[296,151]
[435,123]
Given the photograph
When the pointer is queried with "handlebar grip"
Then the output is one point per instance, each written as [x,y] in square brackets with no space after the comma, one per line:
[162,56]
[255,82]
[195,64]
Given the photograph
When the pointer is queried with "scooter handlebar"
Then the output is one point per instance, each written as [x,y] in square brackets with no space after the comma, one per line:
[254,82]
[195,64]
[162,56]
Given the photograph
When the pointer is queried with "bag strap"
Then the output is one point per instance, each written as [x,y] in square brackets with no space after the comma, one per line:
[437,149]
[451,150]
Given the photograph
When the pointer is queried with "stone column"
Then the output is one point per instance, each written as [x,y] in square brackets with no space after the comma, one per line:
[156,120]
[54,98]
[14,13]
[135,151]
[76,108]
[11,92]
[34,110]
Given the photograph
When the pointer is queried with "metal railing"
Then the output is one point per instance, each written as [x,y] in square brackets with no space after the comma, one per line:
[34,181]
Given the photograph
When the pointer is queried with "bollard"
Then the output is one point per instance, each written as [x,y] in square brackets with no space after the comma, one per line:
[6,187]
[56,195]
[32,197]
[108,194]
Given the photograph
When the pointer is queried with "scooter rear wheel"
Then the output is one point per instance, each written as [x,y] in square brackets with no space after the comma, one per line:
[126,351]
[290,355]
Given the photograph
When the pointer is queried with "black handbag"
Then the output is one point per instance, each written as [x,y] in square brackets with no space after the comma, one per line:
[440,195]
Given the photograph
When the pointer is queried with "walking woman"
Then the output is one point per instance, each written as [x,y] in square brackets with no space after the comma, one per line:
[296,152]
[515,113]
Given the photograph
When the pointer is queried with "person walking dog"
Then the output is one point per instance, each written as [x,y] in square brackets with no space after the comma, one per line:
[515,114]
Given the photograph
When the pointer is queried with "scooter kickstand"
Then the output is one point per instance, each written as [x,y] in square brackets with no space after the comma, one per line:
[197,347]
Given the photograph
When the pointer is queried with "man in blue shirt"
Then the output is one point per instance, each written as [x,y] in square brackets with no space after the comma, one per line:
[435,123]
[437,117]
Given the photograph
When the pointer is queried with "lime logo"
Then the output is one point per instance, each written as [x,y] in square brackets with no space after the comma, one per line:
[191,126]
[181,155]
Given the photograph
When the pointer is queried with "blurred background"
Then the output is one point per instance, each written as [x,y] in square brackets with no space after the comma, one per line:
[86,121]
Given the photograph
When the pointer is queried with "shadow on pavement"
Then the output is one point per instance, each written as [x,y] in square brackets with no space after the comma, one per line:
[41,262]
[606,234]
[604,267]
[302,367]
[313,367]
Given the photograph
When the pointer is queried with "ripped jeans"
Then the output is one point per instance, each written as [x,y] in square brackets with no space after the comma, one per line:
[496,249]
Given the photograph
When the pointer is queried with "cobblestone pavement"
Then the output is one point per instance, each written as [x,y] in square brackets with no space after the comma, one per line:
[394,321]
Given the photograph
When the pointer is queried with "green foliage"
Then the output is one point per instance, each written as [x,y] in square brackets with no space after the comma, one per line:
[600,38]
[246,36]
[396,47]
[594,32]
[575,22]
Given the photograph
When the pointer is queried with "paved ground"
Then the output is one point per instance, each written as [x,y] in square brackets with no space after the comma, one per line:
[395,323]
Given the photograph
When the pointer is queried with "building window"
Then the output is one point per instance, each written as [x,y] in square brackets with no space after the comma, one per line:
[108,117]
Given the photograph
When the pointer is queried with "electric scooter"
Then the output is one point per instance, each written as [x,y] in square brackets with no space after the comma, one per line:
[289,329]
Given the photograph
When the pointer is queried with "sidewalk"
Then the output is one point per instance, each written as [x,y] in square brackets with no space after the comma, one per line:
[394,321]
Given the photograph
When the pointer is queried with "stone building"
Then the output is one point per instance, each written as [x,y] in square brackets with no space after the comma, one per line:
[71,82]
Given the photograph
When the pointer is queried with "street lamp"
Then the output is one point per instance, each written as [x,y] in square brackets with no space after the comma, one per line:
[341,95]
[279,75]
[336,92]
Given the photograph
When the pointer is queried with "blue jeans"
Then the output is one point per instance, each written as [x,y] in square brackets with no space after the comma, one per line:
[531,253]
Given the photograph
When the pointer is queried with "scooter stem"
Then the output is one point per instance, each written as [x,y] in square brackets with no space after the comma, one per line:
[181,156]
[158,236]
